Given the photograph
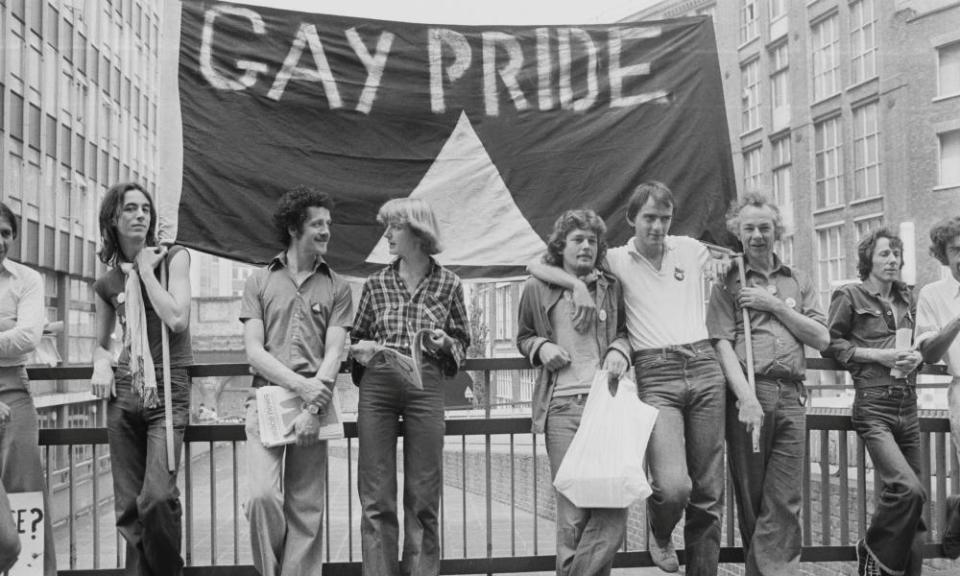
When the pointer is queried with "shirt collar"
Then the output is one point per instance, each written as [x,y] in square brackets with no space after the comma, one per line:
[280,261]
[899,290]
[954,286]
[9,267]
[632,246]
[778,267]
[395,265]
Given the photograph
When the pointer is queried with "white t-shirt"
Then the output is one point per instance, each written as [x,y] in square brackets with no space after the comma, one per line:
[664,307]
[939,303]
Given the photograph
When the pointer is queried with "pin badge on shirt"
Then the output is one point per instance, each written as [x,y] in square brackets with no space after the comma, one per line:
[678,273]
[315,308]
[602,315]
[790,302]
[772,289]
[121,298]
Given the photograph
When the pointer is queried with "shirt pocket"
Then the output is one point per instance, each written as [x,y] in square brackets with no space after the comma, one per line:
[870,325]
[434,311]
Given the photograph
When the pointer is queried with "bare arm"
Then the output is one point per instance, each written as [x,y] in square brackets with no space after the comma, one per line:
[25,335]
[934,347]
[804,328]
[309,389]
[102,380]
[173,304]
[584,308]
[751,413]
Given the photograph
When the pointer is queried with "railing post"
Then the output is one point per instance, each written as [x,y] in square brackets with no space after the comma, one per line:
[487,471]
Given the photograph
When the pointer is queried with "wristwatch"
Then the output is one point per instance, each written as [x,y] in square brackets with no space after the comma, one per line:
[312,408]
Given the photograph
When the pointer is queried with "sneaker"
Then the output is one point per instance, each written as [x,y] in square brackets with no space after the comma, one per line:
[663,555]
[951,529]
[866,564]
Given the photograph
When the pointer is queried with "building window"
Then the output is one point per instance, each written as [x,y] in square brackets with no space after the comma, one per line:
[950,158]
[866,151]
[53,30]
[17,9]
[863,40]
[864,226]
[750,97]
[66,136]
[51,136]
[36,18]
[948,70]
[778,8]
[781,160]
[16,116]
[34,127]
[748,20]
[830,259]
[780,86]
[752,160]
[828,162]
[826,61]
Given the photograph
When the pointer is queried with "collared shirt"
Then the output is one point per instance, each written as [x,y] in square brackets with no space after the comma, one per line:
[296,317]
[938,304]
[664,307]
[21,312]
[390,315]
[859,318]
[777,353]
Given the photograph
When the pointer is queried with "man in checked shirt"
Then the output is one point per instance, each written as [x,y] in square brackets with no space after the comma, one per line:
[411,294]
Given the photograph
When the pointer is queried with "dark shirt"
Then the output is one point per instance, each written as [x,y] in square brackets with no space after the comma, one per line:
[295,318]
[110,287]
[859,318]
[390,315]
[777,353]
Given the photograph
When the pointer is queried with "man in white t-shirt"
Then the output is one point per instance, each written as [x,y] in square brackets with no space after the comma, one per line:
[677,371]
[938,323]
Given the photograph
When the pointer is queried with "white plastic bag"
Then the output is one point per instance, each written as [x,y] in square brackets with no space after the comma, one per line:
[603,468]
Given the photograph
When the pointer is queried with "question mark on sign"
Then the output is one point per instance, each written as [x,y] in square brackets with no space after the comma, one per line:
[33,526]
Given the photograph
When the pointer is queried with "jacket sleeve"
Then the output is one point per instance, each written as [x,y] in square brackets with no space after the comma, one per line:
[622,342]
[840,324]
[529,340]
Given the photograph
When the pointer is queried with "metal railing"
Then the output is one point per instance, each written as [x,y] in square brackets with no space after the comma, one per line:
[497,503]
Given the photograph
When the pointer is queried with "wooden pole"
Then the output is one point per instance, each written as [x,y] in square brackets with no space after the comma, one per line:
[167,399]
[748,344]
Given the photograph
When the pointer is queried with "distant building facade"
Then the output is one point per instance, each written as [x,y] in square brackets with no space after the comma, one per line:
[847,113]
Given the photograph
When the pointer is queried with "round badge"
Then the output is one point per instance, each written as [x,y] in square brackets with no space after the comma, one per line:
[790,302]
[121,298]
[771,288]
[678,273]
[602,315]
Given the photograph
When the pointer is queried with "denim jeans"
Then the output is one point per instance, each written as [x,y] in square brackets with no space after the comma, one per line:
[285,505]
[685,454]
[20,467]
[147,500]
[587,538]
[768,483]
[886,420]
[385,397]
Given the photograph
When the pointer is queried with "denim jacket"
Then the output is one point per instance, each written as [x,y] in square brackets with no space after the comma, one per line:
[859,318]
[535,329]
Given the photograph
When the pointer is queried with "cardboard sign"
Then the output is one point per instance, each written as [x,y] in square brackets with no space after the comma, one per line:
[27,510]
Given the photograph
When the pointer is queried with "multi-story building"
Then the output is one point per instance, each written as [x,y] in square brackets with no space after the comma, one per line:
[78,106]
[848,113]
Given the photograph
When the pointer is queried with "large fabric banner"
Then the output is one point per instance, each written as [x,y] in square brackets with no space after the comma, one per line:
[500,129]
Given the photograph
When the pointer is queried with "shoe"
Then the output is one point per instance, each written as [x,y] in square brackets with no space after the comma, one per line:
[866,564]
[951,529]
[663,555]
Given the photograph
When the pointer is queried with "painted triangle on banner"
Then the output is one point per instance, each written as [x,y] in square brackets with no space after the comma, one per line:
[480,224]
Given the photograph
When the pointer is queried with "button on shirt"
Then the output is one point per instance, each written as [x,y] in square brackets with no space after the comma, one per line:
[858,317]
[296,318]
[938,304]
[777,352]
[21,312]
[664,307]
[390,315]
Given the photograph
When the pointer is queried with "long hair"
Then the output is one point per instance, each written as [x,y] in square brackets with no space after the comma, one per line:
[110,208]
[291,211]
[416,214]
[869,243]
[568,222]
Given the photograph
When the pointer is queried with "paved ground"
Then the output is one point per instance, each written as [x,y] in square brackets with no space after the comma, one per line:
[219,533]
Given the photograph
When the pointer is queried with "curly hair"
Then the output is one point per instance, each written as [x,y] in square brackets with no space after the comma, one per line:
[662,198]
[757,200]
[568,222]
[942,234]
[110,208]
[7,214]
[291,211]
[869,243]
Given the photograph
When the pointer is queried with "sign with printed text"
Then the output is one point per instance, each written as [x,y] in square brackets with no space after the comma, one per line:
[27,510]
[499,128]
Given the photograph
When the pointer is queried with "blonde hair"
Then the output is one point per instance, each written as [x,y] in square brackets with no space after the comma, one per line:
[416,214]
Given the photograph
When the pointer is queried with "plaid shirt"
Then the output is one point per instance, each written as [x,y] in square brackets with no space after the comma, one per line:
[389,315]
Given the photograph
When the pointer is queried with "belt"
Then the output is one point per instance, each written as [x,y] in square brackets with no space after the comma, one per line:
[780,381]
[689,350]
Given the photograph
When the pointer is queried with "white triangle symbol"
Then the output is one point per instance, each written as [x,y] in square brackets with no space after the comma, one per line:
[480,224]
